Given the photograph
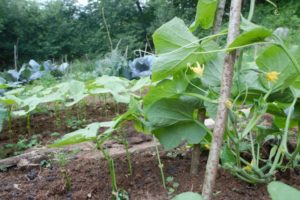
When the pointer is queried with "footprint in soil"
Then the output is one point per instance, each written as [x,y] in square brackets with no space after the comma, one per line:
[32,174]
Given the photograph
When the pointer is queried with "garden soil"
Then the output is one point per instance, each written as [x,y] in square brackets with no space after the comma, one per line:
[90,179]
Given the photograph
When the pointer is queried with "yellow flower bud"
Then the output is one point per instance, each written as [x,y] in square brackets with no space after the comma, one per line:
[228,104]
[272,76]
[207,146]
[198,70]
[248,168]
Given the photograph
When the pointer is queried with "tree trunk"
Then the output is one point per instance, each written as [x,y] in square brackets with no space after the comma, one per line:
[221,118]
[219,16]
[196,148]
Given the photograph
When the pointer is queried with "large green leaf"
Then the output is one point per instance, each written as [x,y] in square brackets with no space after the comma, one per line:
[76,92]
[171,136]
[172,121]
[188,196]
[211,109]
[164,89]
[227,157]
[9,100]
[254,35]
[281,191]
[166,112]
[273,58]
[205,14]
[213,71]
[139,84]
[87,134]
[175,47]
[173,35]
[118,87]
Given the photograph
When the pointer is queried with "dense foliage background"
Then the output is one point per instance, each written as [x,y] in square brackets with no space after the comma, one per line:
[60,29]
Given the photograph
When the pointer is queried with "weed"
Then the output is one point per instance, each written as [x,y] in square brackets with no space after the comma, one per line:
[171,185]
[75,123]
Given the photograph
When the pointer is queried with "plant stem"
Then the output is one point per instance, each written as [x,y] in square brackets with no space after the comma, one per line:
[283,140]
[111,168]
[201,97]
[28,124]
[10,123]
[128,156]
[297,150]
[67,179]
[196,148]
[251,11]
[222,113]
[160,165]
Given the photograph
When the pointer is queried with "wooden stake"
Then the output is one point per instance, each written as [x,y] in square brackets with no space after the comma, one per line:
[221,118]
[219,16]
[196,153]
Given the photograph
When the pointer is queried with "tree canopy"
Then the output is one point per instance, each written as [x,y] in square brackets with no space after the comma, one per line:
[61,29]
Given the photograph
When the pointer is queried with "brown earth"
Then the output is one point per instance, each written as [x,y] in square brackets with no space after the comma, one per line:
[90,176]
[90,180]
[44,124]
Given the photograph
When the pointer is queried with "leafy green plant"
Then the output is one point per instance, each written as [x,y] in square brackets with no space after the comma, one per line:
[74,123]
[186,79]
[114,64]
[171,185]
[46,163]
[19,147]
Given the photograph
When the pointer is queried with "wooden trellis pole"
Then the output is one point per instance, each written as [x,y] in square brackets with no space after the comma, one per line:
[222,113]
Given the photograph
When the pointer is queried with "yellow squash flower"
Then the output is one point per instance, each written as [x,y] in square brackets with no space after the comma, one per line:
[248,168]
[199,69]
[272,76]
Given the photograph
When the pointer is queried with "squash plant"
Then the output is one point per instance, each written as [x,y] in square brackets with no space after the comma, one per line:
[186,78]
[259,84]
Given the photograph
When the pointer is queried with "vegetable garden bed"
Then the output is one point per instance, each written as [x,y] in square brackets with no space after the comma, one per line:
[90,180]
[49,124]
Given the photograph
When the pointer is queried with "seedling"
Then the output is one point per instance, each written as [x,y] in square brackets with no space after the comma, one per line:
[171,185]
[63,160]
